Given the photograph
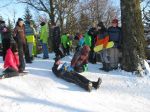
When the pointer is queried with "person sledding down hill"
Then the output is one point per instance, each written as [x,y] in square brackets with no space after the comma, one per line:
[11,62]
[74,77]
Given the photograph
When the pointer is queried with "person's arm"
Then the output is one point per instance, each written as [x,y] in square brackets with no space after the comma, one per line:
[15,33]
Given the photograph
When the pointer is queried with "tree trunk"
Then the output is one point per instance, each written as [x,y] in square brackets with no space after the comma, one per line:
[133,36]
[51,15]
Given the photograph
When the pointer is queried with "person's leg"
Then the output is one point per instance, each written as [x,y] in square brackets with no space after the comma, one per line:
[30,45]
[68,49]
[97,84]
[112,57]
[106,60]
[27,54]
[64,50]
[34,52]
[102,60]
[73,78]
[10,72]
[45,50]
[21,59]
[116,58]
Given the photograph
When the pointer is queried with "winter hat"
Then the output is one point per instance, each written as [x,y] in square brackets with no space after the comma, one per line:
[2,22]
[20,19]
[100,24]
[85,50]
[43,23]
[115,21]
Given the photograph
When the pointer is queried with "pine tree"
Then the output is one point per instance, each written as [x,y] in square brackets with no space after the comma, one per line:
[28,15]
[10,27]
[133,36]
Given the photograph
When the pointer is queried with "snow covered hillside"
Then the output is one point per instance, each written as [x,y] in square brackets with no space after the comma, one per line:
[41,91]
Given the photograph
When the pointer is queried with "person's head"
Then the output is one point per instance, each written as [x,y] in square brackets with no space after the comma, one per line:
[13,47]
[42,23]
[100,26]
[85,50]
[20,22]
[115,22]
[2,23]
[57,60]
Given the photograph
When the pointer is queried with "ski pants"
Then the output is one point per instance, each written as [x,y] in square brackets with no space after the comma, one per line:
[73,77]
[104,56]
[30,47]
[10,72]
[45,50]
[114,57]
[21,52]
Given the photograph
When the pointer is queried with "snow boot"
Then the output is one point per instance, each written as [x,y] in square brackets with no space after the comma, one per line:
[2,76]
[97,84]
[104,67]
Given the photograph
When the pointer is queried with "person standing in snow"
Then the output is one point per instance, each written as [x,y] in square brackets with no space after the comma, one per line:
[5,36]
[115,35]
[11,63]
[56,40]
[103,38]
[74,77]
[92,55]
[19,37]
[65,43]
[30,40]
[44,39]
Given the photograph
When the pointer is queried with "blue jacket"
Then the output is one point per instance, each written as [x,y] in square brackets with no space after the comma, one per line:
[28,29]
[115,34]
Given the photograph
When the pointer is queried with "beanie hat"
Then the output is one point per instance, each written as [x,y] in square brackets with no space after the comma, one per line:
[115,21]
[20,19]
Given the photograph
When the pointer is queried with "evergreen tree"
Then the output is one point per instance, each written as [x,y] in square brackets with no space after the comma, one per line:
[28,15]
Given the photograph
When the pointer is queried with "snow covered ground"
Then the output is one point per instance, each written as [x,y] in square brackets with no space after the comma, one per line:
[41,91]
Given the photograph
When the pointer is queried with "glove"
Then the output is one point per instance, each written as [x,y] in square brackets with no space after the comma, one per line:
[70,69]
[64,67]
[85,67]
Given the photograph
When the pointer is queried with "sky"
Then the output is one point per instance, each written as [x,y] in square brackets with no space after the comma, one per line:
[8,11]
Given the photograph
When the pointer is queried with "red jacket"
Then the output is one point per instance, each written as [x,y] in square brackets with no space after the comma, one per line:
[11,60]
[81,57]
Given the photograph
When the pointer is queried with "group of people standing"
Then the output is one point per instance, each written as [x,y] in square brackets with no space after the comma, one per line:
[22,43]
[101,35]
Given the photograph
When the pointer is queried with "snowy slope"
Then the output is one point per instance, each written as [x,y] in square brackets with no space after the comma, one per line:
[41,91]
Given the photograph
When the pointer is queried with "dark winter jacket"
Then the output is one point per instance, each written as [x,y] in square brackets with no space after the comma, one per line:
[115,34]
[28,29]
[19,34]
[92,32]
[56,35]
